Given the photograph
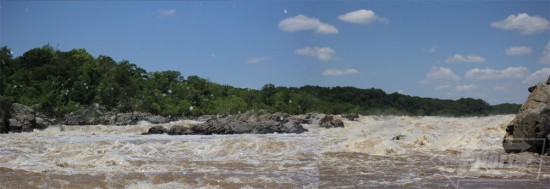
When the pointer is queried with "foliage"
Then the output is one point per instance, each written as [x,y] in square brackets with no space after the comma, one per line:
[60,82]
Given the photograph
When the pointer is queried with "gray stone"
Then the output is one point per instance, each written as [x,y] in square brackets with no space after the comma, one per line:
[156,130]
[530,129]
[180,130]
[23,118]
[330,121]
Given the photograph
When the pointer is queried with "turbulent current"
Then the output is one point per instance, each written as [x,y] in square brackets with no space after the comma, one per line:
[375,151]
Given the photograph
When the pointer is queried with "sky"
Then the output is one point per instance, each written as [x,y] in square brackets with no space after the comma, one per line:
[492,50]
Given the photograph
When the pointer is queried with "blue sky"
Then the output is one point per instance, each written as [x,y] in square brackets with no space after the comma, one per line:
[491,50]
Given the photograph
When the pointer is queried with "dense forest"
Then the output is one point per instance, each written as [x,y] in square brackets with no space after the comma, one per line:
[56,83]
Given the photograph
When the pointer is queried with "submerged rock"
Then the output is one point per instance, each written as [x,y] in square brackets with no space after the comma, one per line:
[330,121]
[180,130]
[351,117]
[530,129]
[156,130]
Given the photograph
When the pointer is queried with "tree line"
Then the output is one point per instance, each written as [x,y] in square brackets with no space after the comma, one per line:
[59,82]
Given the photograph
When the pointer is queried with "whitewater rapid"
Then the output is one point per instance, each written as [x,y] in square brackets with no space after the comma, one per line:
[375,151]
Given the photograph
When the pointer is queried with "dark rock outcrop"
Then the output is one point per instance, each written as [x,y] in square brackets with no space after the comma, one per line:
[530,129]
[19,118]
[96,116]
[351,117]
[4,116]
[330,121]
[242,123]
[156,130]
[180,130]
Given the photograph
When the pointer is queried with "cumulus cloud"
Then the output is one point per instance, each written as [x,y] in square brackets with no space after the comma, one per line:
[518,51]
[468,58]
[362,16]
[441,73]
[525,24]
[465,87]
[510,72]
[168,12]
[545,59]
[538,76]
[321,53]
[337,72]
[257,60]
[301,22]
[430,50]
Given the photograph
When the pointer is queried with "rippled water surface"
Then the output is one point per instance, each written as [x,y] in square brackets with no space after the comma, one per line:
[376,151]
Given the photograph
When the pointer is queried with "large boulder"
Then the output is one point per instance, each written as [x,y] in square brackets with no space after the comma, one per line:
[22,119]
[530,129]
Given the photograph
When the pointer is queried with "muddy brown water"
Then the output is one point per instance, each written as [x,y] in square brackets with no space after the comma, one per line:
[432,152]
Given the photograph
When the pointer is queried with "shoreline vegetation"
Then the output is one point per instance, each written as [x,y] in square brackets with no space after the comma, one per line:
[59,83]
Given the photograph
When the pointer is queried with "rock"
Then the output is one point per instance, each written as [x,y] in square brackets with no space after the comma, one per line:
[330,121]
[351,117]
[294,127]
[180,130]
[156,130]
[85,117]
[23,119]
[249,122]
[96,116]
[315,118]
[302,118]
[4,116]
[530,129]
[398,137]
[19,118]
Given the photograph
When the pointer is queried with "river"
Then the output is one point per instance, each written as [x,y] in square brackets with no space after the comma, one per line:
[373,152]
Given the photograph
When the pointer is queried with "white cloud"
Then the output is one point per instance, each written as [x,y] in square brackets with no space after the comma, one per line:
[538,76]
[545,59]
[441,73]
[510,72]
[362,16]
[168,12]
[518,50]
[442,87]
[257,60]
[430,50]
[321,53]
[524,23]
[461,58]
[336,72]
[301,22]
[465,87]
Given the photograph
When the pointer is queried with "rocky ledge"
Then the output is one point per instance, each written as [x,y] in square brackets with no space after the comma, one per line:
[96,116]
[253,123]
[529,131]
[19,118]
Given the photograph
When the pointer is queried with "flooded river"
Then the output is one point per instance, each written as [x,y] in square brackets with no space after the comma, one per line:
[375,151]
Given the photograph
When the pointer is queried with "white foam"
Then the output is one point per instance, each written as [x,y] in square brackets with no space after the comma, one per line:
[103,149]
